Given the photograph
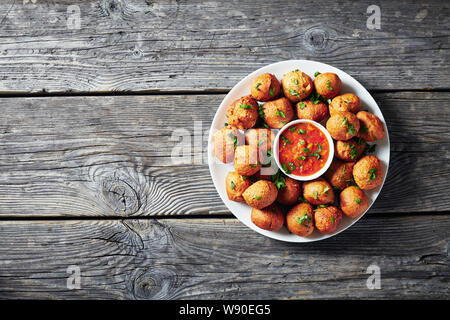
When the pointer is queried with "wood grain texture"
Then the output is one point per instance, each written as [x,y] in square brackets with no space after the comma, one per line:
[222,259]
[111,156]
[137,45]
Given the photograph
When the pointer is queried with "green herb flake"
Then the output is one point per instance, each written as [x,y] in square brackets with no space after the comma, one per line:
[232,185]
[301,158]
[332,219]
[281,113]
[301,105]
[294,93]
[295,81]
[246,106]
[372,174]
[301,131]
[329,87]
[316,73]
[316,194]
[292,129]
[285,140]
[278,180]
[271,91]
[234,138]
[325,190]
[257,197]
[304,218]
[358,200]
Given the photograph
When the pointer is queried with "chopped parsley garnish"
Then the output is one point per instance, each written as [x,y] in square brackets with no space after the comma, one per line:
[372,174]
[332,219]
[257,197]
[301,199]
[316,73]
[305,217]
[319,147]
[271,91]
[225,124]
[358,200]
[353,151]
[278,180]
[257,85]
[281,113]
[285,168]
[261,112]
[344,170]
[302,142]
[292,129]
[347,101]
[325,190]
[285,140]
[294,93]
[235,141]
[246,106]
[351,129]
[261,142]
[329,87]
[301,131]
[291,166]
[316,194]
[305,150]
[301,105]
[301,158]
[315,154]
[344,122]
[295,81]
[232,185]
[360,141]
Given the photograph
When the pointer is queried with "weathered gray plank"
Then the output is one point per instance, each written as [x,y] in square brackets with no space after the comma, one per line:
[111,156]
[221,259]
[195,45]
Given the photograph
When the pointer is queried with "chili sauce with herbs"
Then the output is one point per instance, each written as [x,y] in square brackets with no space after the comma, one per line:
[303,150]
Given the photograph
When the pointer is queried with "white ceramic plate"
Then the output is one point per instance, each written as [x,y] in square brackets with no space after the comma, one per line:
[219,170]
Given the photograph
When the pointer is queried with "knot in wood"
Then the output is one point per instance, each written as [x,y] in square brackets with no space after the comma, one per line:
[155,283]
[120,196]
[316,39]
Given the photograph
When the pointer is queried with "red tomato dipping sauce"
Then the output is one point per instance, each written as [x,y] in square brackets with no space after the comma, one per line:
[303,149]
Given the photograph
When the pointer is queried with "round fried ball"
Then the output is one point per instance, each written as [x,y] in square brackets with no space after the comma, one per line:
[236,185]
[347,102]
[278,112]
[308,110]
[246,161]
[327,219]
[353,202]
[265,87]
[372,129]
[318,192]
[290,193]
[368,172]
[260,194]
[299,220]
[328,85]
[297,85]
[340,174]
[225,141]
[349,150]
[270,218]
[243,113]
[343,126]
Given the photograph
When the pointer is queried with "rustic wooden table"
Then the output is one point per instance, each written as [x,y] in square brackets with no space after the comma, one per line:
[92,92]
